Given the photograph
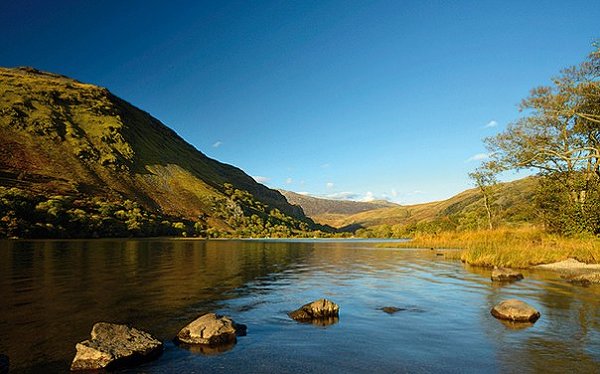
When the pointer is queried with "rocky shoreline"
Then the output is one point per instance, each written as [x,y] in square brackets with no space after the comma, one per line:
[574,271]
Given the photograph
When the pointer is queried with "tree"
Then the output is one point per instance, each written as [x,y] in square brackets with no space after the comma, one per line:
[484,178]
[559,136]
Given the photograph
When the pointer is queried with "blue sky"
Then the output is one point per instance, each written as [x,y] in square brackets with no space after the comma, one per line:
[354,99]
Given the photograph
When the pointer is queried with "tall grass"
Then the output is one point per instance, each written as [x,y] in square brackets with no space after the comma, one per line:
[509,247]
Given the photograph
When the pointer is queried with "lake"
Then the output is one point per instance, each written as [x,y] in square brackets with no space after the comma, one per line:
[52,292]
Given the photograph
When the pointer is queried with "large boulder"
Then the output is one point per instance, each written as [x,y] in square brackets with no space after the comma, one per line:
[516,311]
[211,329]
[505,275]
[319,309]
[113,345]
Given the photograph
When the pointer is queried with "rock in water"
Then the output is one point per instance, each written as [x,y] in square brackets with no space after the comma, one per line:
[585,279]
[505,275]
[211,329]
[4,364]
[318,309]
[114,345]
[391,309]
[515,310]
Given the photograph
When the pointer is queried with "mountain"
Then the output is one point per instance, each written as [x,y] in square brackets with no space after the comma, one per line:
[326,210]
[62,137]
[514,203]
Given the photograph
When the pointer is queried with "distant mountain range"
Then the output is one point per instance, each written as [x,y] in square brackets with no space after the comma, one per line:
[61,136]
[329,210]
[513,201]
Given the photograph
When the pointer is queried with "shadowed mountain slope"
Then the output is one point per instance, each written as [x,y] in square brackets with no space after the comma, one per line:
[61,136]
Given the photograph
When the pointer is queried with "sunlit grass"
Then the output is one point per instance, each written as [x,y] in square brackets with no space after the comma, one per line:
[509,247]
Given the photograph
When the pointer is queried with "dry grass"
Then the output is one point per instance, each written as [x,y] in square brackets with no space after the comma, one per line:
[514,247]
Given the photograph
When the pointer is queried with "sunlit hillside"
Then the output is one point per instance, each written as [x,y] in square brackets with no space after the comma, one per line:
[62,137]
[513,204]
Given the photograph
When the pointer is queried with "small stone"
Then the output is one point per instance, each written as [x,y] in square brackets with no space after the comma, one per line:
[113,345]
[505,275]
[318,309]
[515,310]
[211,329]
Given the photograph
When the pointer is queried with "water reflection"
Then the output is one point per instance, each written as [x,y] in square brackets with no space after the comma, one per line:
[511,325]
[54,291]
[321,322]
[206,349]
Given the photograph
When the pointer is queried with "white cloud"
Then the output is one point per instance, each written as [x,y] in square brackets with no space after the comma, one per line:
[368,197]
[260,179]
[492,123]
[289,181]
[394,192]
[351,196]
[329,185]
[479,157]
[325,166]
[346,195]
[217,144]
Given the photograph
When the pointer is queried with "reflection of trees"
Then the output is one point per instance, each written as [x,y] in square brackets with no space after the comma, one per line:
[57,290]
[543,355]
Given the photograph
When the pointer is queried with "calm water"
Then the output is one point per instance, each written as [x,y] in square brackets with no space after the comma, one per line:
[52,292]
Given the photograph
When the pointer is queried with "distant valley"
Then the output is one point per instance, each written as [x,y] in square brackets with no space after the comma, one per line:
[514,204]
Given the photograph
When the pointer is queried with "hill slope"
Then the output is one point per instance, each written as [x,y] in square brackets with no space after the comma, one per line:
[514,203]
[61,136]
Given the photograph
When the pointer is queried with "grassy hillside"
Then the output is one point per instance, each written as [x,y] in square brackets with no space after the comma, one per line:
[61,136]
[326,210]
[513,204]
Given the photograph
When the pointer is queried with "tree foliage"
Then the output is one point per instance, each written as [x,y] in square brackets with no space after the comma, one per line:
[24,214]
[559,136]
[485,180]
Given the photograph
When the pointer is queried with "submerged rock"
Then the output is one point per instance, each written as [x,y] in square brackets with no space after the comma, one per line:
[515,310]
[505,275]
[318,309]
[211,329]
[4,364]
[391,309]
[114,345]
